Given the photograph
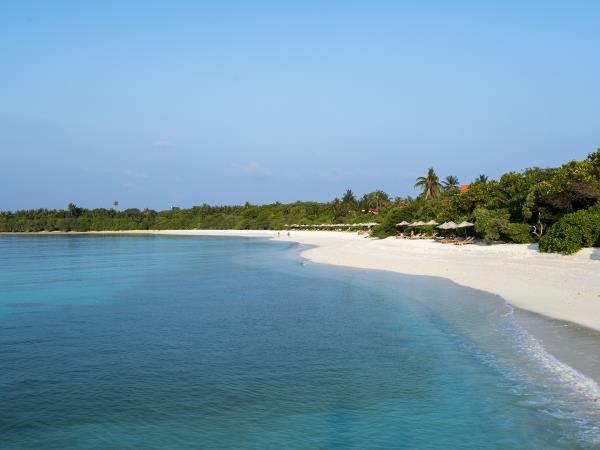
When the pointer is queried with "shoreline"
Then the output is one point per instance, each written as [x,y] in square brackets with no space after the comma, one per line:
[561,287]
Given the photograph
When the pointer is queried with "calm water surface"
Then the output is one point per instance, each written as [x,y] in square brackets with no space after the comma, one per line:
[160,342]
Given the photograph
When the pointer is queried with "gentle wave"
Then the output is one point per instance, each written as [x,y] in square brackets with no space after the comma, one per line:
[573,395]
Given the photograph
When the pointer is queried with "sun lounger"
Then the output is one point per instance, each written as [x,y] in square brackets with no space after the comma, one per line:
[469,240]
[449,241]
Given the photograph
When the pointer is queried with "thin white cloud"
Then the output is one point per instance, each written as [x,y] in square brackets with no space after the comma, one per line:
[255,170]
[163,143]
[334,174]
[327,175]
[130,173]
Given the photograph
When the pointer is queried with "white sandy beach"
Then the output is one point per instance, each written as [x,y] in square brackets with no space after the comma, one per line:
[557,286]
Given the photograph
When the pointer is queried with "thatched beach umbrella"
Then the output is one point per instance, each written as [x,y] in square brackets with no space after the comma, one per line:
[418,223]
[448,226]
[432,222]
[365,225]
[402,224]
[465,224]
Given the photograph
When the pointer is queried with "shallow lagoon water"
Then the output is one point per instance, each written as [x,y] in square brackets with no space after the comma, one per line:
[233,343]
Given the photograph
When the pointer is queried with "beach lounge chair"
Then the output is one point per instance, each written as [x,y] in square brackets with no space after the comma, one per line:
[448,241]
[469,240]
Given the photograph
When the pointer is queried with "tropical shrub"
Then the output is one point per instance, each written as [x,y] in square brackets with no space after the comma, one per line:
[519,233]
[573,186]
[573,232]
[491,223]
[388,226]
[494,225]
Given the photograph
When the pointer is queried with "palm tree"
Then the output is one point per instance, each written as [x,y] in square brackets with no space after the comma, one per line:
[375,199]
[483,179]
[349,200]
[116,204]
[430,184]
[381,198]
[450,183]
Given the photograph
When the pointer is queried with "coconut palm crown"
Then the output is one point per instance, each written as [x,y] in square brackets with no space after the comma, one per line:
[430,184]
[450,183]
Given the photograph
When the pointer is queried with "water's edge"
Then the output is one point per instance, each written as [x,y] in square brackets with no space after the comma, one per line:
[551,340]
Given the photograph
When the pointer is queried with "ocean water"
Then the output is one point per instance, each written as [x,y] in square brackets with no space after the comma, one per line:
[158,342]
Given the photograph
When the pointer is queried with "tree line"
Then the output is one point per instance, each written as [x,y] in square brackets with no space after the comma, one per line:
[242,217]
[549,205]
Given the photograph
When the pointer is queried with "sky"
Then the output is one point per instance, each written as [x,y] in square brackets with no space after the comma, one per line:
[159,104]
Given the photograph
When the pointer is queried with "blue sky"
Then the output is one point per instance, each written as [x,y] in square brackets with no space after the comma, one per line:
[180,103]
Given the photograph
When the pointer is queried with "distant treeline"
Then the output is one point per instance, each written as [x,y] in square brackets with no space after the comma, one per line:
[244,217]
[552,205]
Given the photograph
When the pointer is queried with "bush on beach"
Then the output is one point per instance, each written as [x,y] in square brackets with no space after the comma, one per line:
[495,225]
[573,232]
[387,227]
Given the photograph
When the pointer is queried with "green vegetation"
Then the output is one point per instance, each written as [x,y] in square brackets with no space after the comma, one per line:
[430,184]
[559,207]
[495,224]
[273,216]
[518,207]
[573,232]
[450,183]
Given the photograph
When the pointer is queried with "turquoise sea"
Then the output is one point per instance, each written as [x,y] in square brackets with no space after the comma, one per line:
[158,342]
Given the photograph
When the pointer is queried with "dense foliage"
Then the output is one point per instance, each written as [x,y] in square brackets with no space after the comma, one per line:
[573,232]
[273,216]
[495,225]
[518,207]
[549,205]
